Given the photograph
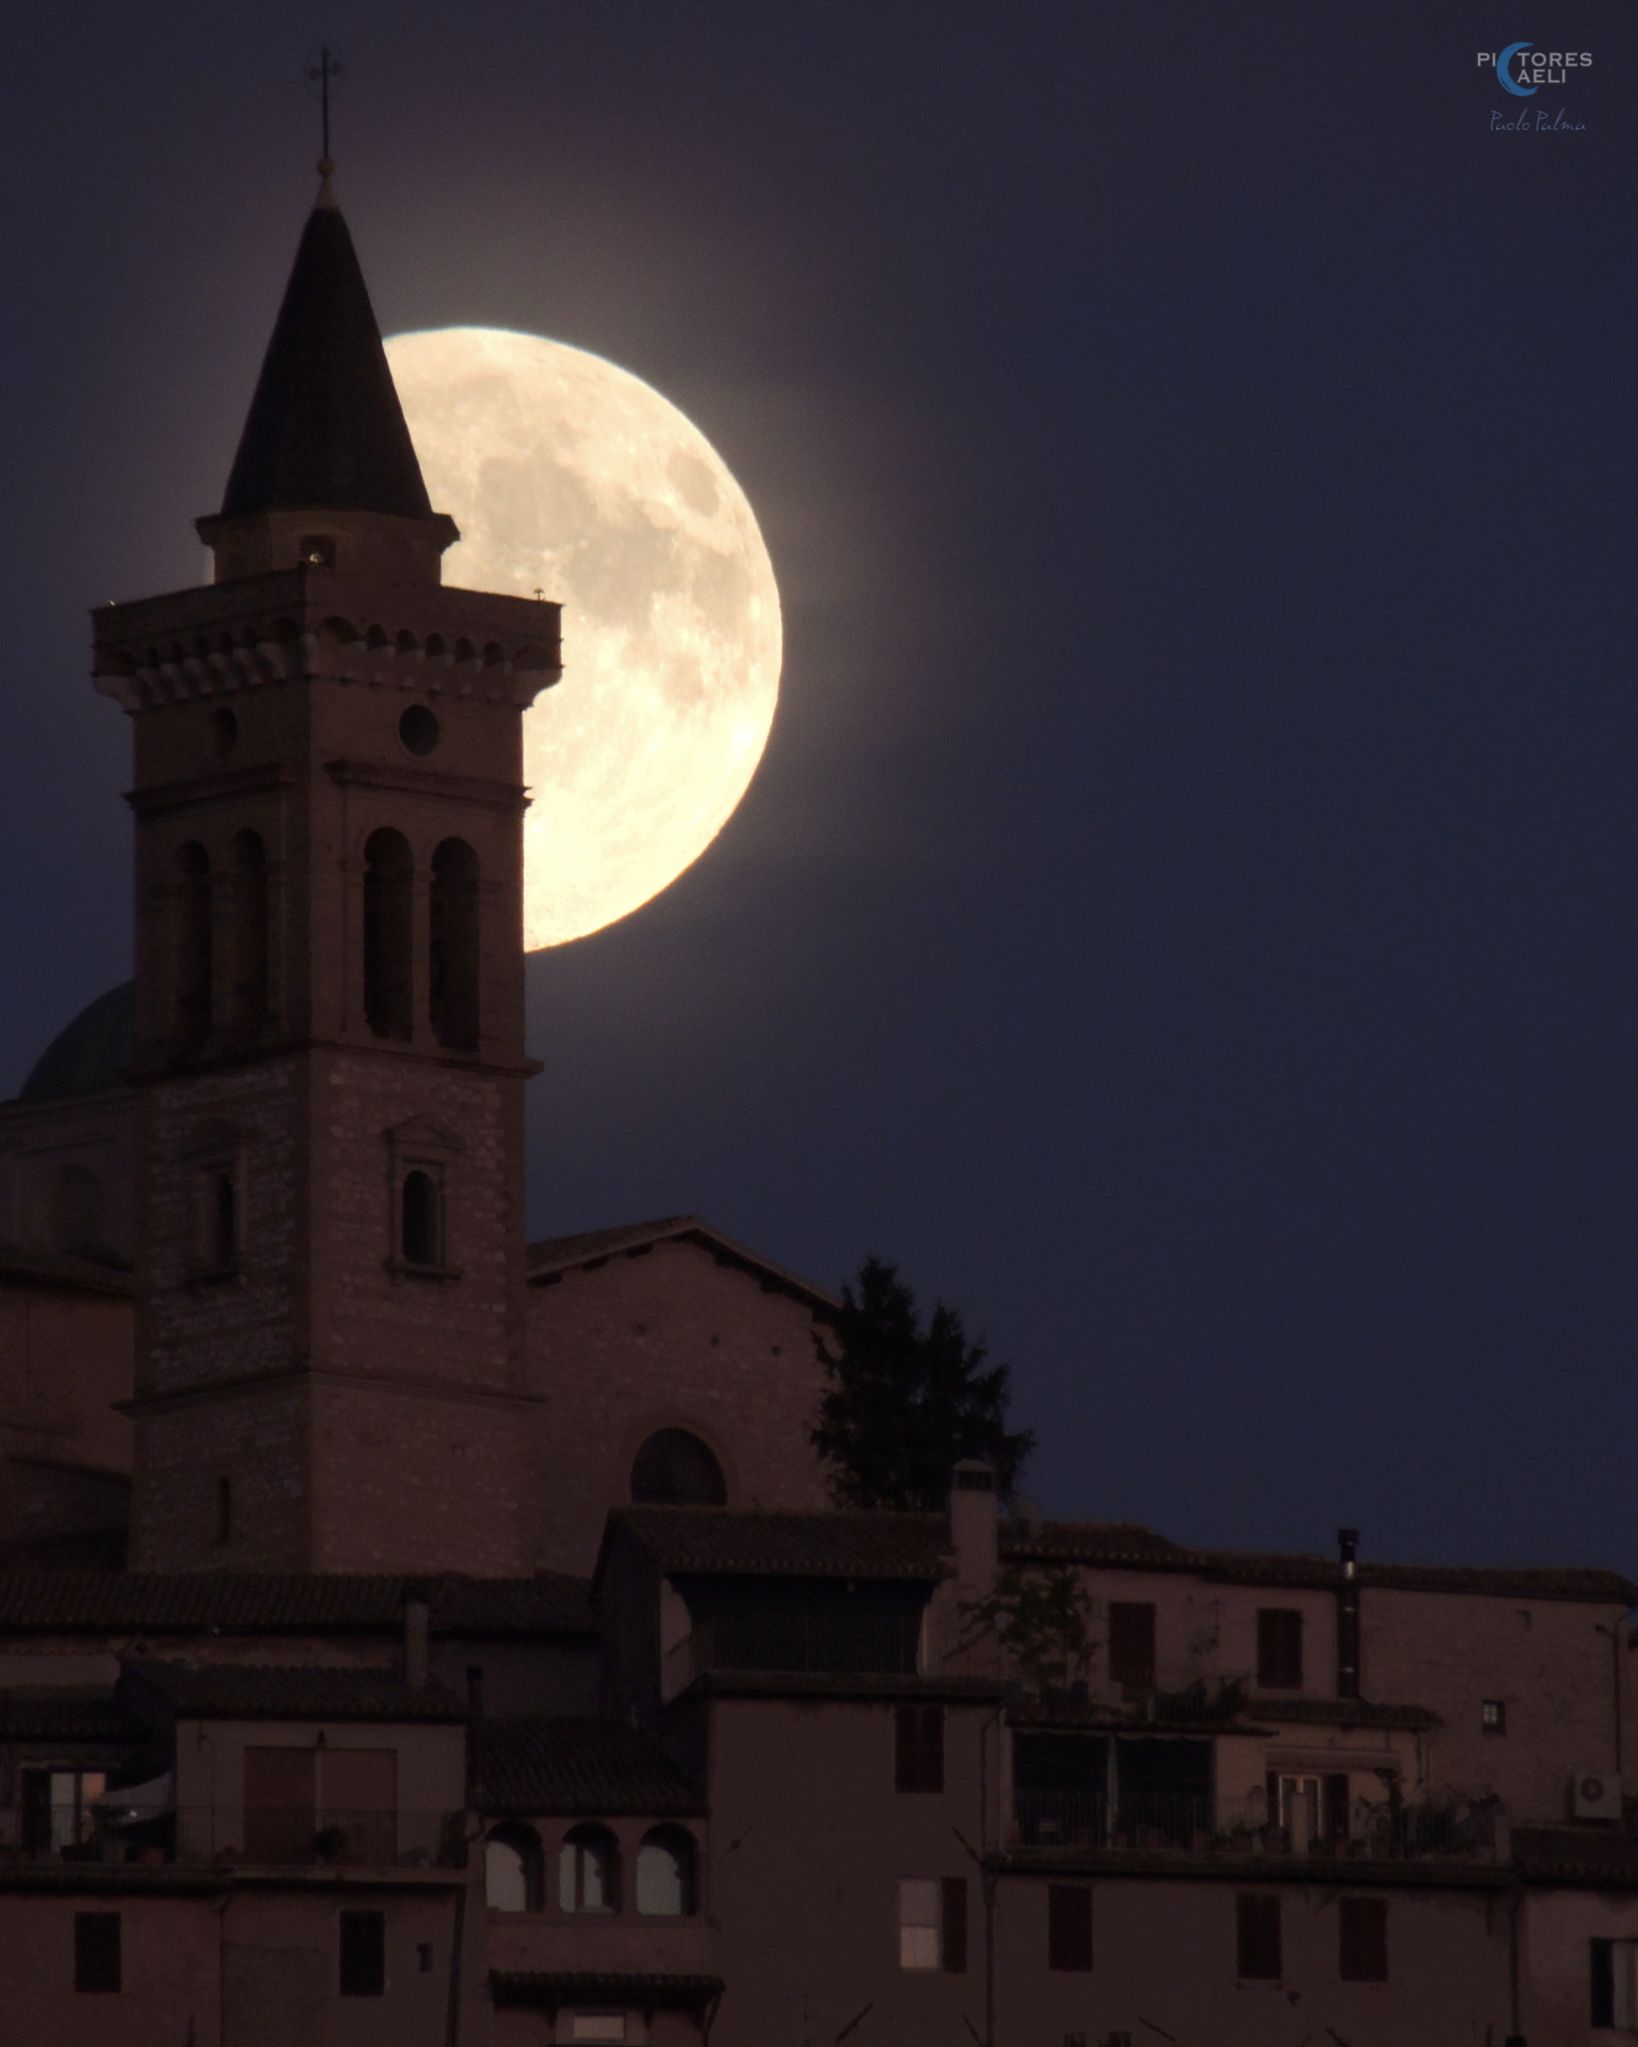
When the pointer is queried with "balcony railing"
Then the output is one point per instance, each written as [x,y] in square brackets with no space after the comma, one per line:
[838,1645]
[207,1837]
[1201,1824]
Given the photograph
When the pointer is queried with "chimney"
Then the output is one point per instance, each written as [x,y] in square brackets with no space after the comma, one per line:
[474,1690]
[417,1627]
[974,1530]
[1348,1615]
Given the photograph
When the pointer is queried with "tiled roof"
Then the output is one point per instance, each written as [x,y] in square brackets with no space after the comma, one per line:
[1127,1546]
[1313,1871]
[538,1986]
[574,1766]
[68,1602]
[260,1691]
[553,1256]
[1594,1855]
[1217,1708]
[826,1545]
[858,1688]
[1338,1713]
[63,1713]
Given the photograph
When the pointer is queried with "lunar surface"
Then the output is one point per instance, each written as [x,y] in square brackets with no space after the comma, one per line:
[572,478]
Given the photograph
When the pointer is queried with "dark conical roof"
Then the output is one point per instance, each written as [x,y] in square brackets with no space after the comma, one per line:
[325,426]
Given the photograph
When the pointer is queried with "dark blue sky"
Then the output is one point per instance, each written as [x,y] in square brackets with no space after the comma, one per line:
[1187,912]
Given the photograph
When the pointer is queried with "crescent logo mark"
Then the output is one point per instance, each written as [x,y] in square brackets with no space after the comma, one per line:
[1523,92]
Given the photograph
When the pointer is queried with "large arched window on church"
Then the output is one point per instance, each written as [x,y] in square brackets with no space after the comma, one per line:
[249,933]
[191,945]
[513,1869]
[588,1871]
[665,1873]
[675,1469]
[389,923]
[453,962]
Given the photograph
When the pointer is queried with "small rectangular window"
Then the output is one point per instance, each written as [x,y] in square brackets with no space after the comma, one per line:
[363,1954]
[1069,1926]
[224,1512]
[1257,1931]
[96,1951]
[1493,1716]
[918,1749]
[1279,1648]
[933,1923]
[1132,1644]
[1362,1925]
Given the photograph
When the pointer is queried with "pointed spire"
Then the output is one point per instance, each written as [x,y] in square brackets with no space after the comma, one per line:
[325,427]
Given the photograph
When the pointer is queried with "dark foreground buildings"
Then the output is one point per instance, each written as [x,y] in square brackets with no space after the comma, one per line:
[412,1636]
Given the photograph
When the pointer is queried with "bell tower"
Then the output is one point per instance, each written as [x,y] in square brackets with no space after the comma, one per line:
[330,1053]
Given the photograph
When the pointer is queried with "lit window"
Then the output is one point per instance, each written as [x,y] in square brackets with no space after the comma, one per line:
[933,1923]
[1493,1716]
[588,1871]
[59,1808]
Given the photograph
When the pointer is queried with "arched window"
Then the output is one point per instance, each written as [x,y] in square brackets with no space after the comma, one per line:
[421,1221]
[69,1211]
[249,934]
[512,1869]
[388,934]
[665,1873]
[675,1469]
[191,948]
[588,1871]
[454,945]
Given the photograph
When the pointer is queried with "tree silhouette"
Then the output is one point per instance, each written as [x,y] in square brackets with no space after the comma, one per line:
[904,1402]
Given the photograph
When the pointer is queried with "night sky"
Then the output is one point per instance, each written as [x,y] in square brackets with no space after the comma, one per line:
[1187,915]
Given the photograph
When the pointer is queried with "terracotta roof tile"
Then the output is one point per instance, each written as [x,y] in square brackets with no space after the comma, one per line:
[246,1691]
[713,1540]
[553,1256]
[66,1602]
[543,1986]
[574,1766]
[1598,1855]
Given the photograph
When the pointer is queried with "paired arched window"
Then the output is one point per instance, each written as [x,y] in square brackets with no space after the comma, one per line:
[665,1873]
[191,965]
[389,920]
[675,1469]
[250,932]
[453,958]
[588,1871]
[513,1869]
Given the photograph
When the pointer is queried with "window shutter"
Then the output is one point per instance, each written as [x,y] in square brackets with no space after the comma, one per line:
[1336,1806]
[1279,1648]
[1257,1928]
[955,1925]
[904,1749]
[1602,1970]
[96,1951]
[1131,1643]
[1069,1926]
[918,1748]
[1363,1928]
[932,1748]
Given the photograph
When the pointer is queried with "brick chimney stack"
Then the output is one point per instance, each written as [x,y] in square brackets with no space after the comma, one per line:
[974,1530]
[1348,1615]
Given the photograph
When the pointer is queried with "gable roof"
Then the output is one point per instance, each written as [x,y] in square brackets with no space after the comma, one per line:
[1128,1546]
[553,1257]
[763,1543]
[73,1602]
[254,1691]
[574,1767]
[62,1713]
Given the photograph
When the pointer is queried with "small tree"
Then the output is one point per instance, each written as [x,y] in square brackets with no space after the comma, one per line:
[1040,1617]
[904,1402]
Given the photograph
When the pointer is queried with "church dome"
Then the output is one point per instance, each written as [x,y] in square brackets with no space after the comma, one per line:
[88,1054]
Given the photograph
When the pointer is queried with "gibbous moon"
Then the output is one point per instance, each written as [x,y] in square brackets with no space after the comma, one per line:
[573,478]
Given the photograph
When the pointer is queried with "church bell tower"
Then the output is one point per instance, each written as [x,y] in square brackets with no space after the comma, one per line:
[330,1023]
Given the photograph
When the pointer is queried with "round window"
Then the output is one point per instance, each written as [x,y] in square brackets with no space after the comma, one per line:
[418,729]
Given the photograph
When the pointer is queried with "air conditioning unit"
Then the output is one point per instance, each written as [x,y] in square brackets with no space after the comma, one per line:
[1595,1795]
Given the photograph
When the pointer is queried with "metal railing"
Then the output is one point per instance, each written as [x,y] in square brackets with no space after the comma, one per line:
[215,1837]
[1200,1824]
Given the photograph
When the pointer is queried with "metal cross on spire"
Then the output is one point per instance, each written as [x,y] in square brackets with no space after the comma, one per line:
[323,73]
